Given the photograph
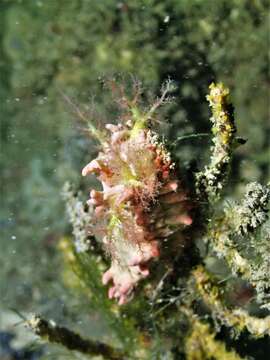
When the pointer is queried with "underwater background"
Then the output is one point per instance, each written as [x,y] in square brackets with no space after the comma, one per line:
[50,50]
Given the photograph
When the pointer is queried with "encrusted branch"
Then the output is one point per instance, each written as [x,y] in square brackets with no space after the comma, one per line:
[201,343]
[240,219]
[238,222]
[220,239]
[211,180]
[236,318]
[53,333]
[80,218]
[252,211]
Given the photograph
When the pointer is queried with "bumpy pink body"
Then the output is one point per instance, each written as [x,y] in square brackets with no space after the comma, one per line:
[142,203]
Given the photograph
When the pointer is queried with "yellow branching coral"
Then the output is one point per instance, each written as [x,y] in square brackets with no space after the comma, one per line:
[219,236]
[202,345]
[237,224]
[211,180]
[237,318]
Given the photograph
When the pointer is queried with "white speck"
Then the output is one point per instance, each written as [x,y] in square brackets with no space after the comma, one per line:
[17,99]
[13,237]
[53,323]
[40,101]
[166,19]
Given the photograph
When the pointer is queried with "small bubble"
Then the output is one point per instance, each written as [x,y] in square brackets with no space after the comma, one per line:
[13,237]
[17,99]
[166,19]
